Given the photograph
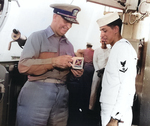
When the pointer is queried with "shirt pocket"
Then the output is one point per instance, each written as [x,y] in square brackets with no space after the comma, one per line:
[66,52]
[47,48]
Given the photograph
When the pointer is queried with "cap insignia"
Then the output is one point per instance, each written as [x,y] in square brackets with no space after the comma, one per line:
[75,12]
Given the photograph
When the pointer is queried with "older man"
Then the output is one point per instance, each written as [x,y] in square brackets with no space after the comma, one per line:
[46,59]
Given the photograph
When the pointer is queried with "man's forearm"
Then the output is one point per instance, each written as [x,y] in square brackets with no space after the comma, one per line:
[35,66]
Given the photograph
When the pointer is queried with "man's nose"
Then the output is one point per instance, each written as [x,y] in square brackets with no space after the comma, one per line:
[101,34]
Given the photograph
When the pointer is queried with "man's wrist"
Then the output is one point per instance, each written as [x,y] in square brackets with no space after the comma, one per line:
[53,61]
[104,47]
[115,119]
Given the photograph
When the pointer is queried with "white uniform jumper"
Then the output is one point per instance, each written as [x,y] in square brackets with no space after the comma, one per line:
[118,84]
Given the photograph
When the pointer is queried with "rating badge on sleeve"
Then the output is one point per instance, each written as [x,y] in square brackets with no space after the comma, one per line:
[123,66]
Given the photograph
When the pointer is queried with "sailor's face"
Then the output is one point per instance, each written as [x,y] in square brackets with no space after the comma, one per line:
[107,35]
[62,25]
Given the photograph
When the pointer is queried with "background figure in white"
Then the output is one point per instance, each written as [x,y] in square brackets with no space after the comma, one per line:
[100,58]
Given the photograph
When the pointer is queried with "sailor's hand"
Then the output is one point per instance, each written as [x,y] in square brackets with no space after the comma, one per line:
[112,122]
[103,46]
[62,61]
[77,72]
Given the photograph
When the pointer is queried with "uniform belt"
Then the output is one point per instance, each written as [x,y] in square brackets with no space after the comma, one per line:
[57,81]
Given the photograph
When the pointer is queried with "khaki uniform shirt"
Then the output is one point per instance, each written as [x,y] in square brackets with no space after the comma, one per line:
[40,47]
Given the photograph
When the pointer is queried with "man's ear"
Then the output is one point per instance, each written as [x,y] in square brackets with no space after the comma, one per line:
[116,29]
[54,16]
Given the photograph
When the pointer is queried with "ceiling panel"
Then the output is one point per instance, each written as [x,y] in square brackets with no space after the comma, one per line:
[110,3]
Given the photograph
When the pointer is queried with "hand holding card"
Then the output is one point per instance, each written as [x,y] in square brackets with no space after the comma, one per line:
[77,62]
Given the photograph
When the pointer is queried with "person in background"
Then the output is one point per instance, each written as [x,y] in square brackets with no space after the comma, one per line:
[78,89]
[118,84]
[85,84]
[100,58]
[46,59]
[86,53]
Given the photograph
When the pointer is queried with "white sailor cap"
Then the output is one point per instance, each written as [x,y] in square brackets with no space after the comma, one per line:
[67,11]
[107,19]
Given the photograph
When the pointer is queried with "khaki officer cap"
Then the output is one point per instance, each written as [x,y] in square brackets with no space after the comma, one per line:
[67,11]
[107,19]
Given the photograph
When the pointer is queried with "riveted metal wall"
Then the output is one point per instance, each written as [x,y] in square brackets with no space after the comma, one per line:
[135,32]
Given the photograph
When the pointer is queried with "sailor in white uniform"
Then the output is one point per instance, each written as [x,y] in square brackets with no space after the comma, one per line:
[118,84]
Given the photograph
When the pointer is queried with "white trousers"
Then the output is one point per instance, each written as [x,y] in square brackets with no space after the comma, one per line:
[106,110]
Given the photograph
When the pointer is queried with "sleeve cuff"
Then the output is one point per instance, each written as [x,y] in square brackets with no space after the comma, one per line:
[116,116]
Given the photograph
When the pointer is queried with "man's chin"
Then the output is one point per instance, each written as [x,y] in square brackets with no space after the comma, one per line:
[63,33]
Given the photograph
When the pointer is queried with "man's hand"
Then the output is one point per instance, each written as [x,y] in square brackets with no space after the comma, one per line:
[103,46]
[112,122]
[62,61]
[77,73]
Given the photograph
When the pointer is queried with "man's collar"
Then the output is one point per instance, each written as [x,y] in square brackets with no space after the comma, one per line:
[49,33]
